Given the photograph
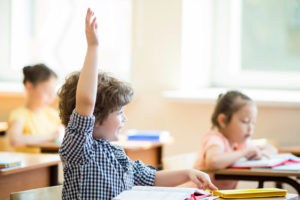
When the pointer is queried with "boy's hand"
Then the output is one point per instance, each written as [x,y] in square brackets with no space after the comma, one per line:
[201,179]
[91,27]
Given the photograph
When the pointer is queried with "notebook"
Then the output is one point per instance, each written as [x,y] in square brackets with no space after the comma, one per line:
[5,164]
[149,135]
[250,193]
[273,161]
[163,193]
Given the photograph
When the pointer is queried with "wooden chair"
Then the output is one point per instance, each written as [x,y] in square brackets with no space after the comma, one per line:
[180,161]
[45,193]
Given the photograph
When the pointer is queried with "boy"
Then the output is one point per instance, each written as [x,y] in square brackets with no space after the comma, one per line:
[94,168]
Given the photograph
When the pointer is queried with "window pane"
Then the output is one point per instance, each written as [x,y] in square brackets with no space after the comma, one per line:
[270,35]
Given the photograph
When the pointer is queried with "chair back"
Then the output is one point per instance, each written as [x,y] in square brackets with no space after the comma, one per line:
[45,193]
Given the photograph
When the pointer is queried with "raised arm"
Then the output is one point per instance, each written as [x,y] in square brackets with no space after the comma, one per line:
[87,83]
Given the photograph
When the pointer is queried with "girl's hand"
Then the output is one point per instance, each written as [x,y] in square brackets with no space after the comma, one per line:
[91,27]
[253,153]
[201,179]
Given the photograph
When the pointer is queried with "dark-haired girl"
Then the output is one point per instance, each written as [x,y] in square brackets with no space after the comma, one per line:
[35,122]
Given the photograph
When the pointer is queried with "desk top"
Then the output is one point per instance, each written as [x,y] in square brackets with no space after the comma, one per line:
[255,172]
[28,161]
[3,126]
[126,144]
[293,149]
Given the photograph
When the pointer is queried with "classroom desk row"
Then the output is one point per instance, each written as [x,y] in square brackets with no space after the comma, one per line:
[41,170]
[36,170]
[148,152]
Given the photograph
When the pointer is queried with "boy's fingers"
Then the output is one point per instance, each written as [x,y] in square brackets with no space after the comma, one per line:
[88,17]
[212,186]
[93,23]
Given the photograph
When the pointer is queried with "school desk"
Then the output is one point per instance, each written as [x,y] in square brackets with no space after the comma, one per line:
[35,171]
[3,128]
[148,152]
[260,175]
[292,149]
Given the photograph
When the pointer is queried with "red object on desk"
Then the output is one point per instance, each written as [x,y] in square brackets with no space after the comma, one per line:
[198,196]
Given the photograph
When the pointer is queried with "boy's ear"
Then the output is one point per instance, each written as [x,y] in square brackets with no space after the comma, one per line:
[222,120]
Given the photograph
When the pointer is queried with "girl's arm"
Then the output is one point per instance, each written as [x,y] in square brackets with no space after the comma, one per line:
[177,177]
[216,158]
[17,138]
[87,83]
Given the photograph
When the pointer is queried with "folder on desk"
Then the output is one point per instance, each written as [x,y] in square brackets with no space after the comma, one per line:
[9,164]
[250,193]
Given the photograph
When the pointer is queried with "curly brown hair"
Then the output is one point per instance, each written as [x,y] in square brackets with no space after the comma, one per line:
[112,94]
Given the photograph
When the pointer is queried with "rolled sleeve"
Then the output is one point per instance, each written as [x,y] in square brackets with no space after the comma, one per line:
[77,144]
[143,174]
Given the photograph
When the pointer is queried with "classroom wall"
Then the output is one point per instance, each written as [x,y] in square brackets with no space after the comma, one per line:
[156,68]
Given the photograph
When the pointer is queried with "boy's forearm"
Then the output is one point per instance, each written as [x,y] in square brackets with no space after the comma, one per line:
[171,178]
[87,83]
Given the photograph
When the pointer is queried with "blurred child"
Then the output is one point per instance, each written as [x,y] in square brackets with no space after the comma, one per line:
[35,122]
[91,106]
[229,140]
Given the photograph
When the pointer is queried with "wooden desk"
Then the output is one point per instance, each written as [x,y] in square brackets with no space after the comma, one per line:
[3,128]
[148,152]
[36,170]
[294,150]
[260,175]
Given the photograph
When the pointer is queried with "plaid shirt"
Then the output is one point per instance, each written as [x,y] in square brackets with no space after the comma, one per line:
[94,168]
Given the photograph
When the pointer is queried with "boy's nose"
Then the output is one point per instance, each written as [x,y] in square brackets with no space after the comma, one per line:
[124,118]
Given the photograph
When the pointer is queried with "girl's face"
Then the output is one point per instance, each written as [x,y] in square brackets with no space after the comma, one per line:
[111,126]
[241,126]
[43,93]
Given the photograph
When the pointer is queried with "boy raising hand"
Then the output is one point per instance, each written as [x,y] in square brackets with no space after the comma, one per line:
[91,107]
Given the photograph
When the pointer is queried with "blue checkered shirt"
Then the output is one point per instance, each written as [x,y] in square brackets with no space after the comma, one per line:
[94,168]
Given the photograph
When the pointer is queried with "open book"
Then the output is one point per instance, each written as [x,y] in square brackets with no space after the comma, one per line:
[163,193]
[251,193]
[273,161]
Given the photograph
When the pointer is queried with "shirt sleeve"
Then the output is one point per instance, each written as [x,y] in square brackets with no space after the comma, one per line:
[16,115]
[213,141]
[143,174]
[77,145]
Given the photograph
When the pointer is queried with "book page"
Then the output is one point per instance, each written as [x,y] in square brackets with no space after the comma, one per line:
[266,162]
[163,193]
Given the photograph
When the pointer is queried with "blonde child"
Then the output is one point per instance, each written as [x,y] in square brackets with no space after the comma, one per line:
[229,140]
[93,167]
[35,122]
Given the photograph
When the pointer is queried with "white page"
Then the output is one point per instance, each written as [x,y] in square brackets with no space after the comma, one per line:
[273,160]
[157,193]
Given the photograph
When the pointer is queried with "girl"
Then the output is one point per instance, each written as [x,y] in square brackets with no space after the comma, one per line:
[35,122]
[229,140]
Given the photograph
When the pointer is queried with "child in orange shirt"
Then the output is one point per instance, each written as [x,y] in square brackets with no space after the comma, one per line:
[229,140]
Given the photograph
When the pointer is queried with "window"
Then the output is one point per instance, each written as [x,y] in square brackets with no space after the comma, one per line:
[53,32]
[254,44]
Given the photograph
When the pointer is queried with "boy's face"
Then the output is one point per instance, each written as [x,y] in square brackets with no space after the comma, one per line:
[111,126]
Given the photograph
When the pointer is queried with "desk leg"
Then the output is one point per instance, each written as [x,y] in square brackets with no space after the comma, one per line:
[54,175]
[281,179]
